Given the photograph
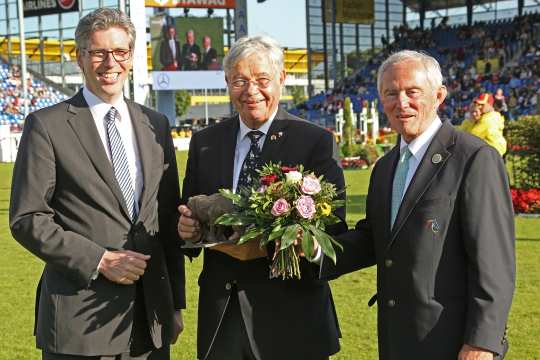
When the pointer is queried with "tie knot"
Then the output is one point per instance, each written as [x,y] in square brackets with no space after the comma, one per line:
[111,115]
[405,154]
[254,136]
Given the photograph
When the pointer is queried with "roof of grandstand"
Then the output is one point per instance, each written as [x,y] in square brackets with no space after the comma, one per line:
[416,5]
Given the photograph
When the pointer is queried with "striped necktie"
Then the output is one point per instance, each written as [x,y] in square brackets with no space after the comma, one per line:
[248,173]
[400,178]
[119,162]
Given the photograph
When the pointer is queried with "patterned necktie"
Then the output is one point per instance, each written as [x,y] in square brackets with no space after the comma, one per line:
[251,163]
[119,162]
[399,182]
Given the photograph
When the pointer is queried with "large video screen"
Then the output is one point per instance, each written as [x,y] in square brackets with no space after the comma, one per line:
[183,45]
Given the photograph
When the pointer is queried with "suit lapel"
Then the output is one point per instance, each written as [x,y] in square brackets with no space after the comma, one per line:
[433,161]
[147,152]
[227,149]
[276,137]
[385,194]
[81,121]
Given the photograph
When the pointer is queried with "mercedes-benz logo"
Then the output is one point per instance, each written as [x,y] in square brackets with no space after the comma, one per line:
[163,80]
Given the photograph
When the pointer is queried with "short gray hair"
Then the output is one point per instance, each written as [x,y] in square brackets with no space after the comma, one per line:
[247,46]
[431,66]
[103,19]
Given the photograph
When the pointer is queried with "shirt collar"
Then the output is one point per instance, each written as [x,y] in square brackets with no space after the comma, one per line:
[264,127]
[418,146]
[99,108]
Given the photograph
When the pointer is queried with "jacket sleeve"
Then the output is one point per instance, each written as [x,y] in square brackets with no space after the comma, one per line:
[31,216]
[169,200]
[189,187]
[487,221]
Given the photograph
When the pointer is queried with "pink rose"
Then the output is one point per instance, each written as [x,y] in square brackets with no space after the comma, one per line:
[281,206]
[305,206]
[310,185]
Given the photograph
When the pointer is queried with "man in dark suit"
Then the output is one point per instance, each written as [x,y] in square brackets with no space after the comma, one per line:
[95,192]
[209,55]
[439,226]
[191,53]
[242,313]
[169,51]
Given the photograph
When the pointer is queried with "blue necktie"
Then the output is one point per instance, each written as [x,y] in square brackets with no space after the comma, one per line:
[119,162]
[248,173]
[400,178]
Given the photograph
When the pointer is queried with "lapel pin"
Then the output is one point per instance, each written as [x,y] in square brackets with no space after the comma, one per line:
[437,158]
[276,136]
[435,227]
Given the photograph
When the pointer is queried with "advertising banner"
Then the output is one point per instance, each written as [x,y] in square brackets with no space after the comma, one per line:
[46,7]
[216,4]
[351,11]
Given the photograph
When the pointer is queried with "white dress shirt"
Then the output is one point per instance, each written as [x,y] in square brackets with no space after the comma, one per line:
[243,144]
[418,148]
[99,110]
[172,46]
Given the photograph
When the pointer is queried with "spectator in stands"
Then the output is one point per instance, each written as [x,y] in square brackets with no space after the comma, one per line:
[486,123]
[500,103]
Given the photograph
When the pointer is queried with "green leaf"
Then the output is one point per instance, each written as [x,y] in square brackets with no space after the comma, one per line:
[289,235]
[308,245]
[235,198]
[232,219]
[252,233]
[325,241]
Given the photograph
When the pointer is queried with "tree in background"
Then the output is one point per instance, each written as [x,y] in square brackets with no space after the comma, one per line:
[183,102]
[348,143]
[298,95]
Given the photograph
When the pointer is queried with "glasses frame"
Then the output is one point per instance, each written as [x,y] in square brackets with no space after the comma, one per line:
[107,53]
[246,84]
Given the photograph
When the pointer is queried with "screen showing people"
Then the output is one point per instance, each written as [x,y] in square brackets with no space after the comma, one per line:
[188,44]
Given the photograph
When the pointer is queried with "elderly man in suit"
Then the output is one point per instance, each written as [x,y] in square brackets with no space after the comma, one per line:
[439,226]
[241,310]
[95,192]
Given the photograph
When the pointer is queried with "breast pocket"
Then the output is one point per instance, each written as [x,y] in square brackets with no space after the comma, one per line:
[431,217]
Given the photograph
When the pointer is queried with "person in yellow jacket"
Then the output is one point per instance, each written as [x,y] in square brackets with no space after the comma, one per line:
[486,123]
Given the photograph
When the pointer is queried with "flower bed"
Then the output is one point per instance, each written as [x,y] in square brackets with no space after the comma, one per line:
[526,201]
[353,163]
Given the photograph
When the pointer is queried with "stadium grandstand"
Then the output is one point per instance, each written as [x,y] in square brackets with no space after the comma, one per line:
[483,46]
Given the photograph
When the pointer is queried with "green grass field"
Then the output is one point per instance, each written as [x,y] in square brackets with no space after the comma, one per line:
[20,271]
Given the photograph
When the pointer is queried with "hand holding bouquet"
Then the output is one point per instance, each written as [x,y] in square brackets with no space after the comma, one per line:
[287,206]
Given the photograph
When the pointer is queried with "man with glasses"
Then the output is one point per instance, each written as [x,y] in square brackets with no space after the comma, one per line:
[242,312]
[95,192]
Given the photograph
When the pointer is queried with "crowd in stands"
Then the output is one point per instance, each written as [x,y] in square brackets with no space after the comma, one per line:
[11,100]
[500,57]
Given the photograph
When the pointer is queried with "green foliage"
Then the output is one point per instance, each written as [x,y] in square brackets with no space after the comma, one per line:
[523,157]
[183,102]
[298,94]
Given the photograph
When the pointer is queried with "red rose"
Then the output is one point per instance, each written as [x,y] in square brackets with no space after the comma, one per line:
[269,179]
[287,169]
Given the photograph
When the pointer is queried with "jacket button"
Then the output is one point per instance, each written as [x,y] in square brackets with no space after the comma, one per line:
[391,303]
[388,263]
[228,286]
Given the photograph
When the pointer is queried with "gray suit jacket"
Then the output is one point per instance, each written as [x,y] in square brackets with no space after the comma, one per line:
[446,271]
[67,209]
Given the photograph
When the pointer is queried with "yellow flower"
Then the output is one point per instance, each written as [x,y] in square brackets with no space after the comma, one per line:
[325,208]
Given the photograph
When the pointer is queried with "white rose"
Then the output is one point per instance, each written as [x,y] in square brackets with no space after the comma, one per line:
[293,176]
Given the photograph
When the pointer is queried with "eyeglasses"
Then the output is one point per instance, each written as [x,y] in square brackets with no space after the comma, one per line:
[99,55]
[260,83]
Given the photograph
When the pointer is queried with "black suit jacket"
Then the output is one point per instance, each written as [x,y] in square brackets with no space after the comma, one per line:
[291,319]
[67,209]
[166,57]
[209,58]
[446,271]
[187,50]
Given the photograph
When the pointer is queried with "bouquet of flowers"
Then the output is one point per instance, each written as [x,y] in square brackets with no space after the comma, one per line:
[289,206]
